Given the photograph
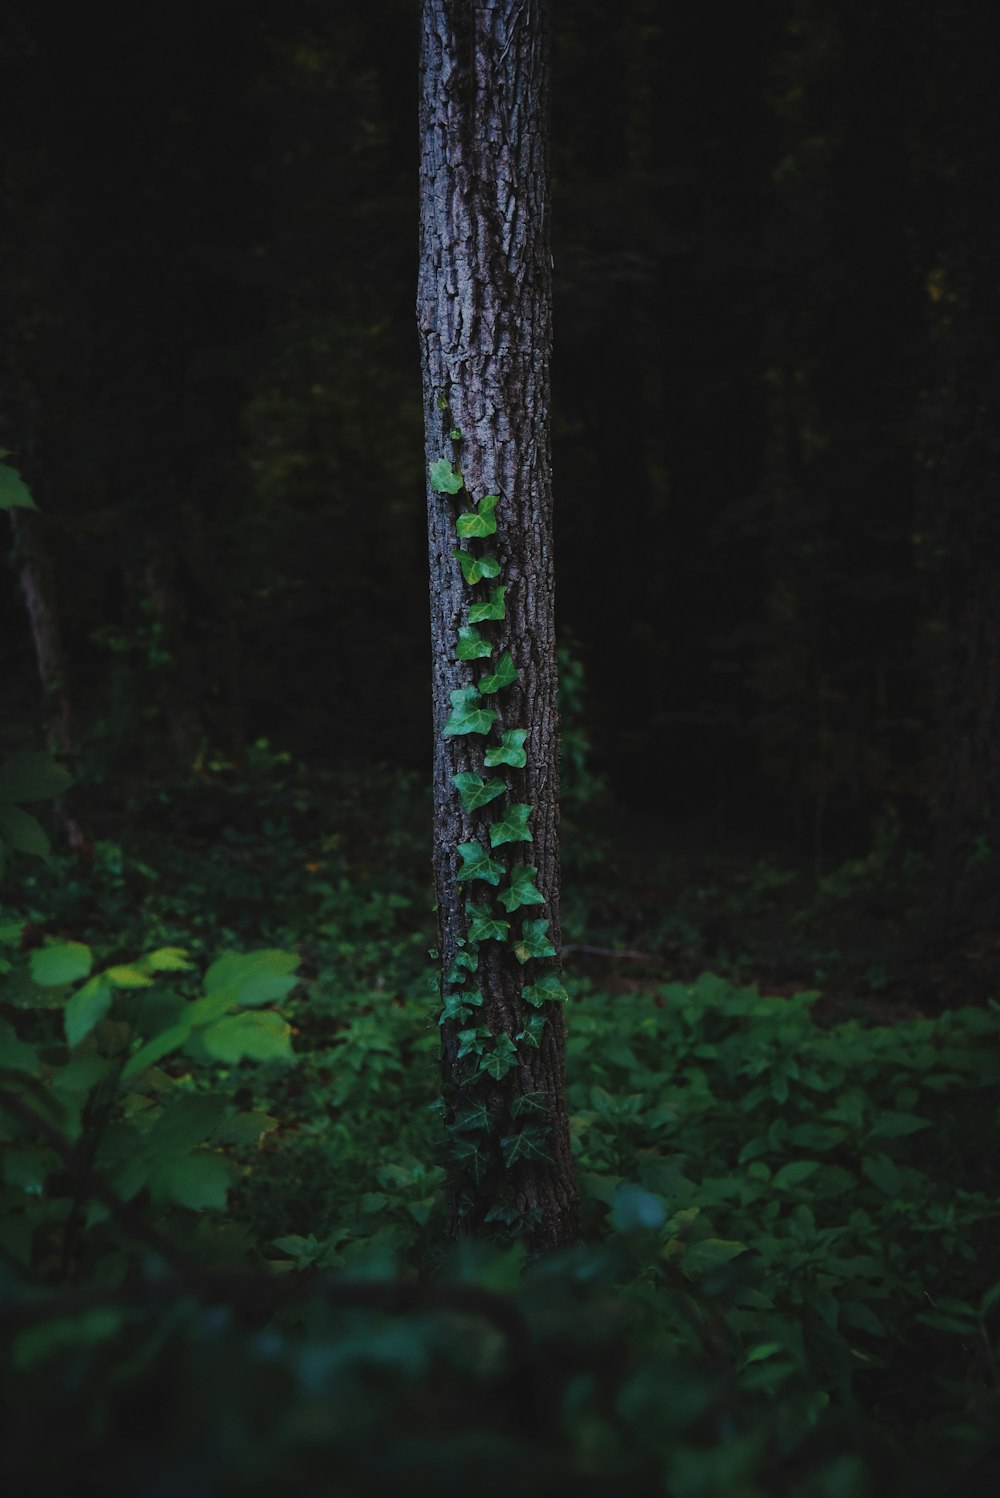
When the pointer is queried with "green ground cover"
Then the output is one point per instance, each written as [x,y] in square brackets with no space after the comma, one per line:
[787,1283]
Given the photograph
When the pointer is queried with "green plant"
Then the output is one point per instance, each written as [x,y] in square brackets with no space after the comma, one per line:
[503,897]
[99,1101]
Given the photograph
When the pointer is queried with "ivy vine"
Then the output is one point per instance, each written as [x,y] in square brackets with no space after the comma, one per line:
[500,896]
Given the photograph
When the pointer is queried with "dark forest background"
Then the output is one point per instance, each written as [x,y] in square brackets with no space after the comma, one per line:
[774,415]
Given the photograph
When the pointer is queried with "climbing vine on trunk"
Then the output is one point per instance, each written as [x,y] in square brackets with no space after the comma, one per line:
[484,311]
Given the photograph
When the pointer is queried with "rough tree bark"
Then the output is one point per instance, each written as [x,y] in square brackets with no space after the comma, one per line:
[484,318]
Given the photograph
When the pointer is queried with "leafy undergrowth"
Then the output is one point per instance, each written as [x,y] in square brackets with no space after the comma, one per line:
[224,1265]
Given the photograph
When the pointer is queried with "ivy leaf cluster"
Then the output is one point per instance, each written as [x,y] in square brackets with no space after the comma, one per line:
[493,1057]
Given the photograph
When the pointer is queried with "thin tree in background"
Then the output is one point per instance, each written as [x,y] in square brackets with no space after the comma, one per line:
[484,317]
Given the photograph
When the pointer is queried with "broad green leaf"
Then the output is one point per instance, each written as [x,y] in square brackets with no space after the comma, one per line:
[534,941]
[22,832]
[474,791]
[483,925]
[253,1035]
[530,1104]
[127,976]
[522,889]
[531,1035]
[498,1062]
[168,960]
[161,1045]
[528,1144]
[444,478]
[253,977]
[479,522]
[86,1008]
[546,990]
[513,828]
[471,1155]
[503,676]
[794,1173]
[633,1209]
[61,962]
[477,864]
[245,1128]
[16,1054]
[31,776]
[473,1117]
[510,750]
[710,1253]
[884,1173]
[200,1181]
[471,645]
[467,715]
[479,613]
[474,569]
[187,1122]
[12,932]
[14,492]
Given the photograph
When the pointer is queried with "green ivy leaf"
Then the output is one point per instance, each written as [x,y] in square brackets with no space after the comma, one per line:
[472,1156]
[547,990]
[444,478]
[31,776]
[530,1103]
[526,1145]
[466,715]
[454,434]
[465,962]
[477,864]
[474,1117]
[61,962]
[479,613]
[474,569]
[474,791]
[513,828]
[456,1009]
[522,889]
[534,941]
[14,492]
[532,1032]
[504,675]
[483,925]
[498,1062]
[479,522]
[168,960]
[471,645]
[251,1035]
[510,750]
[85,1009]
[472,1042]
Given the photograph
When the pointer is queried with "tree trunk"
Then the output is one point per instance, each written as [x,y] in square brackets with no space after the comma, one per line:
[484,316]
